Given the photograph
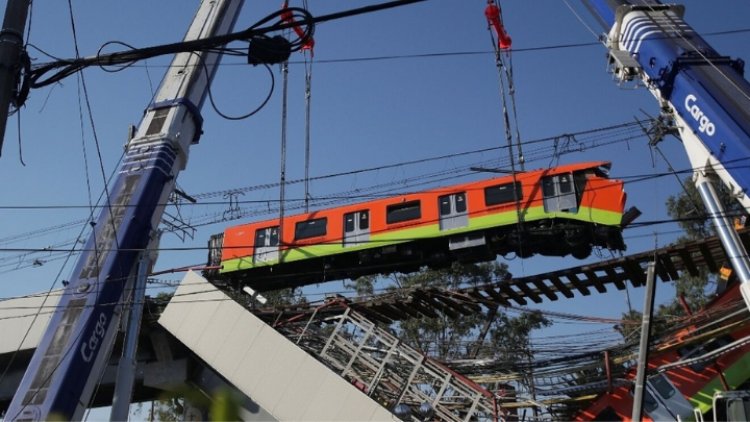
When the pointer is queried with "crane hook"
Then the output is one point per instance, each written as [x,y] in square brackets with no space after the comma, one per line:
[492,13]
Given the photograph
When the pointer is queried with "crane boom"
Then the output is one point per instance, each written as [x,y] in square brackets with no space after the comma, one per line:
[72,354]
[703,92]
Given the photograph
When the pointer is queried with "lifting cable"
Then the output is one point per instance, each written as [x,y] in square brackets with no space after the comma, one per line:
[282,164]
[308,45]
[503,46]
[288,18]
[308,97]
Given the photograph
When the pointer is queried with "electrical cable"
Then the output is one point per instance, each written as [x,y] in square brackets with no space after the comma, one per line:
[580,19]
[214,194]
[487,365]
[634,225]
[251,112]
[308,105]
[212,220]
[282,200]
[67,67]
[85,91]
[444,53]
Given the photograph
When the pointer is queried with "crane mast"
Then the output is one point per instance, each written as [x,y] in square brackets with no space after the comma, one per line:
[703,92]
[73,352]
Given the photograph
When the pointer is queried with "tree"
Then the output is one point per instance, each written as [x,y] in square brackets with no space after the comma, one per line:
[284,297]
[688,210]
[166,410]
[363,286]
[491,334]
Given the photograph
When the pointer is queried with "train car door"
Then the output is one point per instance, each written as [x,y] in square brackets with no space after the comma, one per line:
[266,245]
[356,228]
[453,212]
[559,193]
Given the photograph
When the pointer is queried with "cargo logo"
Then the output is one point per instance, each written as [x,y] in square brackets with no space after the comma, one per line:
[89,347]
[704,123]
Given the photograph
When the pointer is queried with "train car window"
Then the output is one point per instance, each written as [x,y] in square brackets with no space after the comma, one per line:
[268,236]
[662,386]
[310,228]
[649,402]
[403,212]
[566,183]
[260,237]
[445,205]
[690,352]
[460,202]
[362,216]
[548,187]
[459,199]
[502,194]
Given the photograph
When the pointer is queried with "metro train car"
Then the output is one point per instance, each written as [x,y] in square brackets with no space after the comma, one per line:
[555,211]
[718,360]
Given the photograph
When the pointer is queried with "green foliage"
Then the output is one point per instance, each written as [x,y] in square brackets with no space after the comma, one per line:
[363,286]
[688,210]
[511,336]
[225,406]
[165,410]
[630,326]
[284,297]
[164,296]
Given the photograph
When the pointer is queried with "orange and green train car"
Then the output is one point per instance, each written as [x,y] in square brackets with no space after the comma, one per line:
[719,362]
[556,211]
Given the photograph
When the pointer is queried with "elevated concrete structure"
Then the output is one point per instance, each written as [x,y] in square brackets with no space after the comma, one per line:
[23,320]
[164,364]
[259,361]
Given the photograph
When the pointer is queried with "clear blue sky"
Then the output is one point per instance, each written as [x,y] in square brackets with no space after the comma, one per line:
[364,114]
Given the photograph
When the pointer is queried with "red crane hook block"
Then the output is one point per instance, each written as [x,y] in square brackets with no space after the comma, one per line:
[492,12]
[286,16]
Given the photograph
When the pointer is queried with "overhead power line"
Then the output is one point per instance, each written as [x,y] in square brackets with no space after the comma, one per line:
[457,54]
[67,67]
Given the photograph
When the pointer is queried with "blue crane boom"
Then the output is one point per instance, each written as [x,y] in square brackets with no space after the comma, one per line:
[69,360]
[704,93]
